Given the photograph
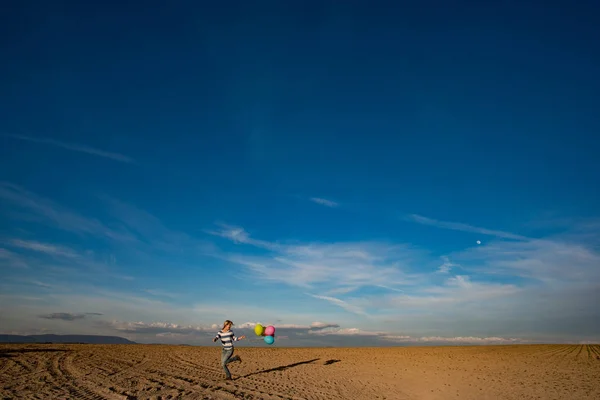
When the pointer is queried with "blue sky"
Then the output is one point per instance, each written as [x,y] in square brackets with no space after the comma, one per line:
[325,168]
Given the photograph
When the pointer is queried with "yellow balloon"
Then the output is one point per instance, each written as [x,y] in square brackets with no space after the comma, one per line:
[259,329]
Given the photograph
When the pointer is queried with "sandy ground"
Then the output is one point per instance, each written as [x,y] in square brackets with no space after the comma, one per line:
[170,372]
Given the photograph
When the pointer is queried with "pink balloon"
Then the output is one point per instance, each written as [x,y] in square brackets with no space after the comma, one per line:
[270,331]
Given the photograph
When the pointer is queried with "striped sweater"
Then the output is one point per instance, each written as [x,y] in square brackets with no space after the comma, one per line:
[227,338]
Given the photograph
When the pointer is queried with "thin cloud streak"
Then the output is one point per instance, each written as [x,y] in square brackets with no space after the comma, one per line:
[58,217]
[457,226]
[340,303]
[11,259]
[75,147]
[453,340]
[145,225]
[239,235]
[324,202]
[390,288]
[542,260]
[45,248]
[58,263]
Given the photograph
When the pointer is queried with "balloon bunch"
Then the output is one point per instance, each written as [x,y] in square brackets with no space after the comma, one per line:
[268,333]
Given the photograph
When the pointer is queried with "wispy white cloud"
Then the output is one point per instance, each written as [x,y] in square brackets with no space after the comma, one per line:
[390,288]
[342,290]
[56,216]
[342,267]
[53,250]
[240,236]
[542,260]
[234,233]
[345,332]
[75,147]
[341,303]
[157,327]
[161,293]
[323,325]
[20,298]
[324,202]
[54,266]
[457,226]
[146,226]
[10,259]
[397,338]
[5,253]
[128,230]
[446,266]
[453,340]
[457,290]
[41,284]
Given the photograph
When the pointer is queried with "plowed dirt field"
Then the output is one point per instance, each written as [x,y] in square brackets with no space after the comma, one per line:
[95,372]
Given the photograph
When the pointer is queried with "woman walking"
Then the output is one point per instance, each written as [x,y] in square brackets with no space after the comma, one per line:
[227,338]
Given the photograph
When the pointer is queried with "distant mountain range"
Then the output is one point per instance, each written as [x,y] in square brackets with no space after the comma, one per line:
[88,339]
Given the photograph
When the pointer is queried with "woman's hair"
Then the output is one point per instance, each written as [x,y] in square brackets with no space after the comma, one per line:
[228,322]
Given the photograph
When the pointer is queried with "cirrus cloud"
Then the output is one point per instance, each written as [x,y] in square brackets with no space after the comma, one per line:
[324,202]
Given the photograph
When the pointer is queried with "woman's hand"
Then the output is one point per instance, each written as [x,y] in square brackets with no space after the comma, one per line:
[242,337]
[214,340]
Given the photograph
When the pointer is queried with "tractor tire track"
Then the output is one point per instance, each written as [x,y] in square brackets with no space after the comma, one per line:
[42,368]
[551,356]
[130,370]
[572,349]
[65,377]
[104,367]
[91,387]
[560,353]
[544,351]
[10,368]
[247,381]
[10,364]
[215,377]
[257,389]
[554,351]
[579,352]
[175,381]
[153,376]
[595,349]
[4,366]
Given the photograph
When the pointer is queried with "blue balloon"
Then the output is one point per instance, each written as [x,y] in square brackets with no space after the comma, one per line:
[269,339]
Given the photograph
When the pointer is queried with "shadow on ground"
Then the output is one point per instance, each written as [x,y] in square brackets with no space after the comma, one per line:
[13,352]
[329,362]
[282,368]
